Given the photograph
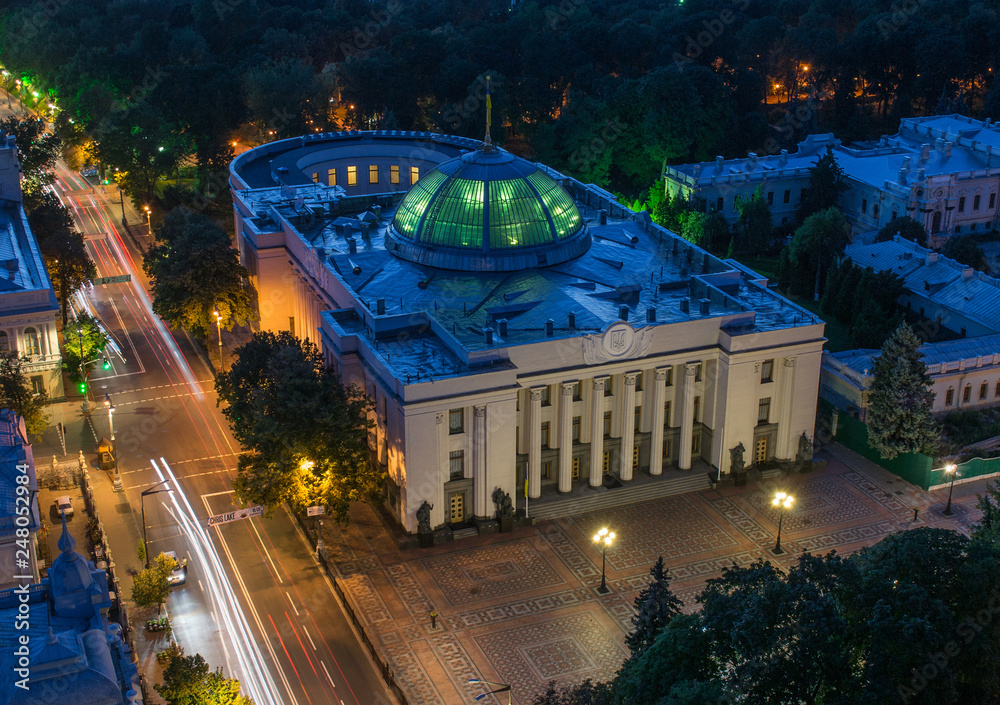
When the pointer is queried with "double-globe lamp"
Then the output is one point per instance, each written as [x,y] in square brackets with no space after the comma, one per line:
[782,501]
[604,538]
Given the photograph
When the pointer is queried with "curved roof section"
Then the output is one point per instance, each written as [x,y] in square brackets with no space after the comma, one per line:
[487,211]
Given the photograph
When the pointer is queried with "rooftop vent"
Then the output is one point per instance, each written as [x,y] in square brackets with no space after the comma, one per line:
[925,152]
[704,305]
[489,335]
[354,267]
[685,306]
[352,245]
[650,315]
[623,313]
[550,327]
[380,306]
[502,325]
[571,320]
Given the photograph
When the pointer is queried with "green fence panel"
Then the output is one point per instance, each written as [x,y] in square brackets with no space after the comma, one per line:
[975,467]
[915,468]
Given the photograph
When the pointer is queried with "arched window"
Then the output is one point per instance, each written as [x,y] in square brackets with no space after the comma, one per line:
[936,222]
[31,341]
[4,341]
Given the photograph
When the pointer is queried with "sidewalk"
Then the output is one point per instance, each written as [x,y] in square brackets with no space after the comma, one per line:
[523,608]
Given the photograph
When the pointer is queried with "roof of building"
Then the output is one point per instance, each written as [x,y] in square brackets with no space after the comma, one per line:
[487,211]
[950,284]
[15,454]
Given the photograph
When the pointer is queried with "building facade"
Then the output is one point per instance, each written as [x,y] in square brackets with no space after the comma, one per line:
[520,331]
[17,469]
[943,171]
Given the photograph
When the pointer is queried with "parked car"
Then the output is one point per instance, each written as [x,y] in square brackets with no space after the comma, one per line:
[179,575]
[89,171]
[64,506]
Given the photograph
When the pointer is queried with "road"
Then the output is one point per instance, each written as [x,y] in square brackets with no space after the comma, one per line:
[255,600]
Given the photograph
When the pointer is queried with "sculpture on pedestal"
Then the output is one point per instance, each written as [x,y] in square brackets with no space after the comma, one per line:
[424,518]
[736,462]
[505,507]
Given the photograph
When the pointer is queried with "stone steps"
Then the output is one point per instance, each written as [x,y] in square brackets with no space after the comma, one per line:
[629,494]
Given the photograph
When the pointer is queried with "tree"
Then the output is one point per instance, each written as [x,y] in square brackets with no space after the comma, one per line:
[84,336]
[965,250]
[900,398]
[305,434]
[47,215]
[818,242]
[904,226]
[655,607]
[36,150]
[16,394]
[69,265]
[150,586]
[187,681]
[988,526]
[754,225]
[826,183]
[195,271]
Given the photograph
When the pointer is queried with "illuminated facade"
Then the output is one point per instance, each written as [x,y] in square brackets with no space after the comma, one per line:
[516,328]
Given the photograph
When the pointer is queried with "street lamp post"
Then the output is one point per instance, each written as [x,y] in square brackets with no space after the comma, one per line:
[218,325]
[953,471]
[121,200]
[114,444]
[782,501]
[142,502]
[604,538]
[149,223]
[500,688]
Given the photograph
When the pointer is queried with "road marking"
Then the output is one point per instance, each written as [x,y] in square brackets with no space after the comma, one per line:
[214,619]
[200,586]
[266,552]
[292,603]
[308,637]
[328,675]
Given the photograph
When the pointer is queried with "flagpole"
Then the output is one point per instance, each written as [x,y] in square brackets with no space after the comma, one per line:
[525,498]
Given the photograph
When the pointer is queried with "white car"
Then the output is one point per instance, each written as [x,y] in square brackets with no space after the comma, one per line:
[64,506]
[179,575]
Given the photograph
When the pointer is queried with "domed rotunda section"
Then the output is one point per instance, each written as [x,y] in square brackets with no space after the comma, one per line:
[487,211]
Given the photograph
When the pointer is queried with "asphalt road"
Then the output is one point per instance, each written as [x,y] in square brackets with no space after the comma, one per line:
[255,601]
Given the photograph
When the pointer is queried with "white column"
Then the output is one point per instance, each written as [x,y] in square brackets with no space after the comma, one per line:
[535,445]
[628,426]
[783,449]
[480,492]
[597,432]
[566,437]
[687,417]
[659,393]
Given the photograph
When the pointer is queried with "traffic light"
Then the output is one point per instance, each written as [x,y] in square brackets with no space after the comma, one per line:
[82,387]
[106,363]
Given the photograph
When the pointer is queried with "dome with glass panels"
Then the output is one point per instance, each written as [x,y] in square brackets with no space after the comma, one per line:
[487,211]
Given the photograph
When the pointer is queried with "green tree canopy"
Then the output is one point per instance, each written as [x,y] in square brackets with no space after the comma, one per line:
[16,394]
[900,398]
[195,271]
[187,681]
[37,151]
[305,435]
[754,225]
[905,227]
[84,335]
[69,265]
[655,606]
[826,183]
[150,586]
[818,243]
[966,250]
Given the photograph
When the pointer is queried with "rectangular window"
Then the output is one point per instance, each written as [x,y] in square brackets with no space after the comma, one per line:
[983,389]
[638,382]
[456,464]
[576,429]
[670,376]
[545,434]
[607,424]
[874,210]
[37,385]
[394,174]
[315,177]
[666,415]
[352,176]
[545,396]
[577,392]
[720,204]
[949,396]
[331,177]
[576,468]
[967,394]
[895,214]
[958,228]
[606,464]
[766,371]
[975,202]
[788,196]
[547,470]
[637,418]
[414,174]
[764,410]
[961,204]
[697,409]
[973,226]
[372,173]
[609,386]
[697,373]
[864,206]
[695,443]
[456,421]
[770,198]
[993,200]
[635,457]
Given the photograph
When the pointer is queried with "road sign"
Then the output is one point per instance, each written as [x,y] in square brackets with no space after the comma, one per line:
[121,279]
[315,511]
[237,515]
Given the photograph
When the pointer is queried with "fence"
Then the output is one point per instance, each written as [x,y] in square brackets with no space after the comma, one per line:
[387,674]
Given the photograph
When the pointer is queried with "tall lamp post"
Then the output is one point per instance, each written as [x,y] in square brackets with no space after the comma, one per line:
[218,325]
[500,688]
[142,502]
[149,223]
[782,501]
[114,444]
[604,538]
[953,471]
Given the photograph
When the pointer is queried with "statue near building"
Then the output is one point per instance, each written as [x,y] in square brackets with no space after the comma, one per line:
[505,507]
[424,518]
[736,463]
[805,455]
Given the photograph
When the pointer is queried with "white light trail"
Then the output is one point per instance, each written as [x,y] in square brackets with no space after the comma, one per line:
[255,677]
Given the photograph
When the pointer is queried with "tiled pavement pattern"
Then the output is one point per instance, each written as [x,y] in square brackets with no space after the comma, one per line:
[523,608]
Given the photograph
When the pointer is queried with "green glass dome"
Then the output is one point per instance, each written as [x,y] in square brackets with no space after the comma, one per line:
[487,211]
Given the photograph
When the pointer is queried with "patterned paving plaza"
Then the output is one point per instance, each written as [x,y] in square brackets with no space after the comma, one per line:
[523,608]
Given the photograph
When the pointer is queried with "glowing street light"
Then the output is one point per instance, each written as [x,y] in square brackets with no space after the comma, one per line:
[604,539]
[952,470]
[218,325]
[114,445]
[500,688]
[149,224]
[782,501]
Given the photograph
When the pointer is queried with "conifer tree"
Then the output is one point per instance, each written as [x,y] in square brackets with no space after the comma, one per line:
[655,606]
[900,398]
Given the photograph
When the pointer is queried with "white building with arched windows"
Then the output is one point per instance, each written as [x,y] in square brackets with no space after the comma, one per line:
[519,331]
[28,306]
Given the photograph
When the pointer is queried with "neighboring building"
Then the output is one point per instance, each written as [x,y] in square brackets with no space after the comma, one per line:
[942,170]
[512,324]
[947,295]
[74,655]
[17,461]
[28,305]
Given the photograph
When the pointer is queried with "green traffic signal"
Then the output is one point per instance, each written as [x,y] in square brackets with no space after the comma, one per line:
[83,387]
[107,363]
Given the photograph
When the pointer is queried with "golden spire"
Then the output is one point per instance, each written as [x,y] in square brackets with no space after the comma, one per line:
[488,143]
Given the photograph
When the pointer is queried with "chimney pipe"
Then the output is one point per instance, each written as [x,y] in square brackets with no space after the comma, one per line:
[380,306]
[603,216]
[784,157]
[719,162]
[550,327]
[571,319]
[704,306]
[921,174]
[947,150]
[502,325]
[925,152]
[489,336]
[354,268]
[650,315]
[352,245]
[685,306]
[623,312]
[906,164]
